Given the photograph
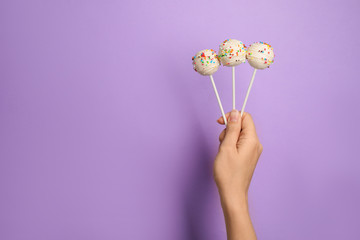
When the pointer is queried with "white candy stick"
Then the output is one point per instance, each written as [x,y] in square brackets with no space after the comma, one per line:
[233,82]
[218,99]
[248,91]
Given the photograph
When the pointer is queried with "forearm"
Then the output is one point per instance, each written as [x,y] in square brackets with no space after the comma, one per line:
[237,218]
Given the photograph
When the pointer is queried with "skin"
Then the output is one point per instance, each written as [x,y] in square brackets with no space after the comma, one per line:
[234,166]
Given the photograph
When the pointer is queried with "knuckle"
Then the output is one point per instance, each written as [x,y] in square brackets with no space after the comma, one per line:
[261,148]
[248,115]
[257,146]
[221,136]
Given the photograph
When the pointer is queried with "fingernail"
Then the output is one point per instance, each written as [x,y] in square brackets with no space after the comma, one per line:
[234,115]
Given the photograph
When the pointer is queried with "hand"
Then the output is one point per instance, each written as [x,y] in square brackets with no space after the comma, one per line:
[238,154]
[234,166]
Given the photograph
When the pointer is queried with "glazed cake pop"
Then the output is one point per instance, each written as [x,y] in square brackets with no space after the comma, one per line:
[206,63]
[232,52]
[260,55]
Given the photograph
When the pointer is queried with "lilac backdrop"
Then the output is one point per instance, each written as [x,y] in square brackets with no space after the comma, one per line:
[107,133]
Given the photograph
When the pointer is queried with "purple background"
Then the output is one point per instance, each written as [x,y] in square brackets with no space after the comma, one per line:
[107,133]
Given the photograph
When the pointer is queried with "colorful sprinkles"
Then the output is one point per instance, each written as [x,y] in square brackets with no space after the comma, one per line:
[231,53]
[260,52]
[205,62]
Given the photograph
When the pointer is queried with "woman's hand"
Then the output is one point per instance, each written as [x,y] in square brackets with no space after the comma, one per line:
[234,166]
[238,154]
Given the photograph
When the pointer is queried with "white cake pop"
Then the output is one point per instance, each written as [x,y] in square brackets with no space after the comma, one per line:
[260,55]
[232,52]
[206,62]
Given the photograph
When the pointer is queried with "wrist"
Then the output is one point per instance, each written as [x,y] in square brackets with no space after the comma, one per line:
[234,202]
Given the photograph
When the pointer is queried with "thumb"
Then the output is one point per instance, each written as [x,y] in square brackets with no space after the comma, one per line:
[233,128]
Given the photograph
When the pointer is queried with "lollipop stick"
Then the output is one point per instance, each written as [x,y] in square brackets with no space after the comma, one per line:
[233,82]
[248,91]
[218,99]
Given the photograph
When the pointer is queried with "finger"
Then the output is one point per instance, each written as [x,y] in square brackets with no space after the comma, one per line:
[222,136]
[221,119]
[232,129]
[248,125]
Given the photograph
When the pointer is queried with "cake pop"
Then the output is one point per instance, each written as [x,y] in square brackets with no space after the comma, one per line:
[232,52]
[206,63]
[260,55]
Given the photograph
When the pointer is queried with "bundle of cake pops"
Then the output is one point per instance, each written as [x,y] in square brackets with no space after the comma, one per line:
[232,53]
